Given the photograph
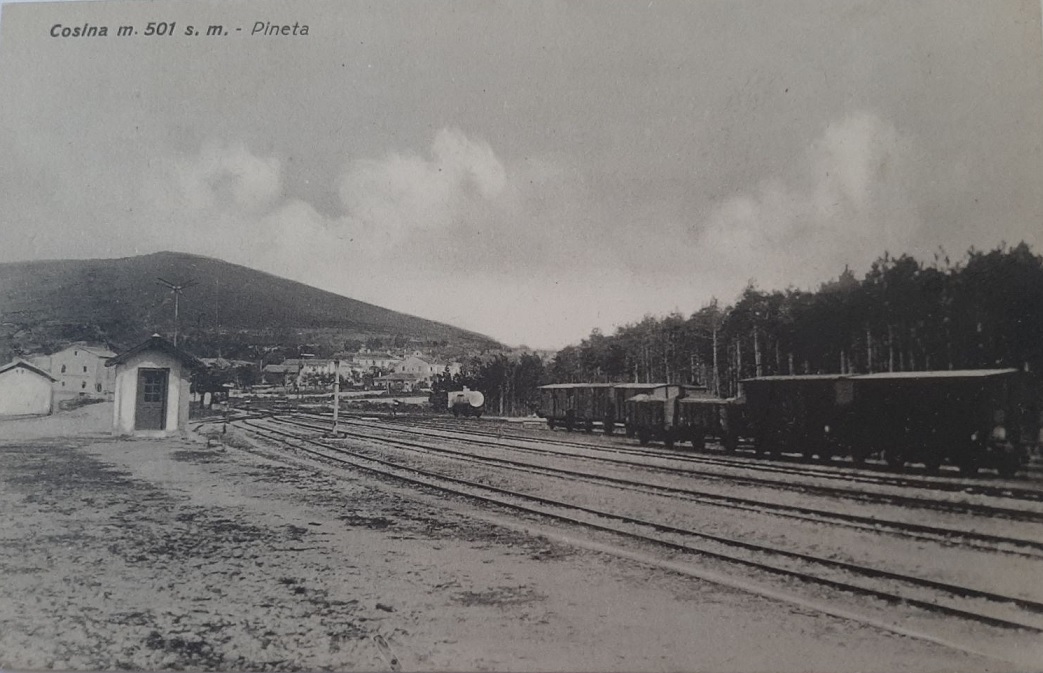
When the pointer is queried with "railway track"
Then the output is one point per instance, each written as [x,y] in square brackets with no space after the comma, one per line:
[975,605]
[841,492]
[837,471]
[972,539]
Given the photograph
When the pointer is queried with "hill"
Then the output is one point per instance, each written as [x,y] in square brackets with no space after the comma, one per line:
[120,301]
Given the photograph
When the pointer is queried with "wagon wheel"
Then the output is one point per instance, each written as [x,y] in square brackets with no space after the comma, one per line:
[731,443]
[550,423]
[589,427]
[969,465]
[669,441]
[642,436]
[609,427]
[895,457]
[933,461]
[1008,466]
[698,440]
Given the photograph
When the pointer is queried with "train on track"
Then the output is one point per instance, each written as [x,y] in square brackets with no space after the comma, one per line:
[987,418]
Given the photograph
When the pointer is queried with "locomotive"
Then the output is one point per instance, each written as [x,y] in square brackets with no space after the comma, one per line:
[466,402]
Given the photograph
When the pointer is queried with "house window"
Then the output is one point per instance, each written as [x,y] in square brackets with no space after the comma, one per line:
[97,387]
[63,369]
[83,384]
[84,369]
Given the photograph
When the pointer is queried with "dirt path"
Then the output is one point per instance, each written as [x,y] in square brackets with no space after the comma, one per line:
[170,555]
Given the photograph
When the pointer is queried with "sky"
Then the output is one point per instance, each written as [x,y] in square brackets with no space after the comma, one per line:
[528,170]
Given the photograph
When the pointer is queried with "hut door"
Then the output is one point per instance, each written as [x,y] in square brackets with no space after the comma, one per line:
[151,410]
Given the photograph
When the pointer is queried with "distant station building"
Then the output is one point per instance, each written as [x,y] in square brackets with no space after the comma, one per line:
[153,382]
[25,390]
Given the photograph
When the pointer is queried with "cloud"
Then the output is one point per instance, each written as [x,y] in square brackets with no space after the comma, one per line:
[848,204]
[527,250]
[225,177]
[389,199]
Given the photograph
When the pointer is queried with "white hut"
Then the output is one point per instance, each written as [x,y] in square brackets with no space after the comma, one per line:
[25,390]
[153,381]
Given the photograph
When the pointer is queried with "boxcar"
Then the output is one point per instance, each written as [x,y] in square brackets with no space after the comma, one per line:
[972,418]
[673,413]
[806,414]
[585,405]
[621,392]
[702,418]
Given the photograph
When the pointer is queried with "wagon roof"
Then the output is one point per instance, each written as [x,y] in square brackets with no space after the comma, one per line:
[802,377]
[941,374]
[558,386]
[702,400]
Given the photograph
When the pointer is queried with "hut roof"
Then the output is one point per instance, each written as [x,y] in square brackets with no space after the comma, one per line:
[157,343]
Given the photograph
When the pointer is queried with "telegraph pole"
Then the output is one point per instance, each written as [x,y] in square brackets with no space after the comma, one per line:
[177,289]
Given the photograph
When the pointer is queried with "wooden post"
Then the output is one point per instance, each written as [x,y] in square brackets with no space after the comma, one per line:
[336,394]
[716,369]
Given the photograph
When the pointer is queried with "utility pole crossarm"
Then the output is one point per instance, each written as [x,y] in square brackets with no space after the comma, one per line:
[176,289]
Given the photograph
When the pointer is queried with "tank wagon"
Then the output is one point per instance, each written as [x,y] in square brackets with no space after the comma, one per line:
[586,405]
[672,413]
[466,402]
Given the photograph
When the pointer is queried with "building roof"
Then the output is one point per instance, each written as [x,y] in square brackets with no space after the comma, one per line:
[95,349]
[281,369]
[398,377]
[14,364]
[157,343]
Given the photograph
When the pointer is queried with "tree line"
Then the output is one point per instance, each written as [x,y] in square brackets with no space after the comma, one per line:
[509,383]
[983,311]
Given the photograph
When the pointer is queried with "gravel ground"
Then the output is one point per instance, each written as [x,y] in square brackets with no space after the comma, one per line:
[986,570]
[169,554]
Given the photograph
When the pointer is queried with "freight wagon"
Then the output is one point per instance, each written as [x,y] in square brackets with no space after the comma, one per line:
[798,413]
[585,405]
[970,418]
[673,413]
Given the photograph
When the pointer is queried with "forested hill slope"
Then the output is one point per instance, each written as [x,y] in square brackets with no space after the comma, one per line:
[120,301]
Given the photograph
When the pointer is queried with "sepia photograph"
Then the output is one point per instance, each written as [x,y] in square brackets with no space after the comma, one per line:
[521,335]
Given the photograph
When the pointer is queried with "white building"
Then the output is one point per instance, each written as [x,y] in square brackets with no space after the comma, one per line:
[153,381]
[25,390]
[367,360]
[79,370]
[425,371]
